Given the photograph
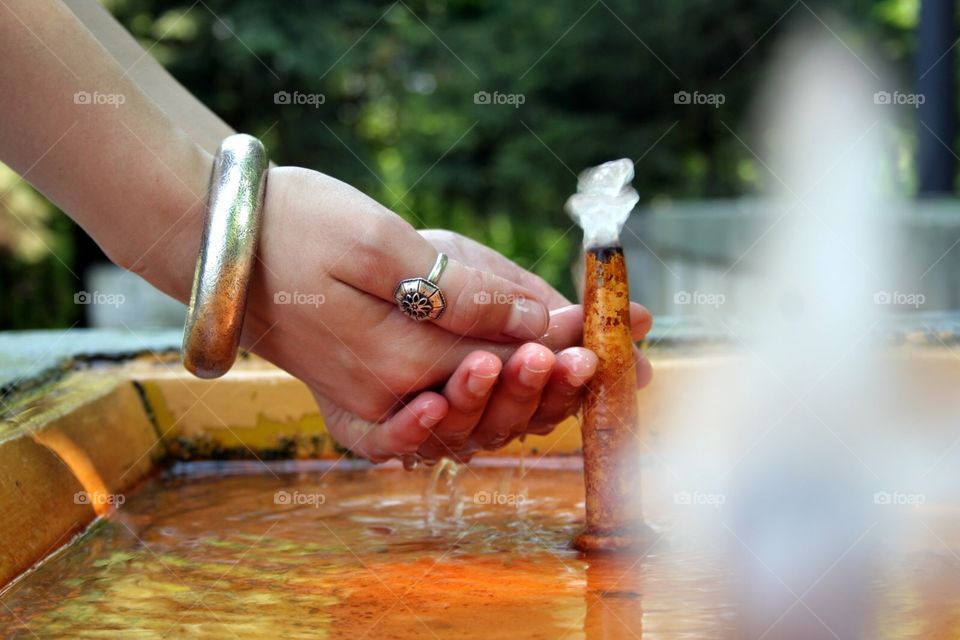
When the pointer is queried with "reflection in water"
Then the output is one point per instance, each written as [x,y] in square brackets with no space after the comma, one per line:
[614,596]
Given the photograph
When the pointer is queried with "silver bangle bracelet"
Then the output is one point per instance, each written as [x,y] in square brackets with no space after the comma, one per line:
[228,249]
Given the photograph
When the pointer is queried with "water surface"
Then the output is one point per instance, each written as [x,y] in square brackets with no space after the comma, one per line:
[303,551]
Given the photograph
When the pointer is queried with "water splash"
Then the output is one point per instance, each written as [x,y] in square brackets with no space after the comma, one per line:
[444,507]
[603,202]
[790,438]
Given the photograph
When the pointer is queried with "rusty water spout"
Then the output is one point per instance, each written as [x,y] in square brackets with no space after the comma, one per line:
[611,444]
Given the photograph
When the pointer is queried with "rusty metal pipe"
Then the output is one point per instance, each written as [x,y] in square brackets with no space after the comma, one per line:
[611,442]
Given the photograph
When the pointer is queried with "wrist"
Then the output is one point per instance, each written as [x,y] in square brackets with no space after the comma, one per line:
[163,244]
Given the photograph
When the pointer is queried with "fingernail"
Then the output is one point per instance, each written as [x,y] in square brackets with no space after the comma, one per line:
[527,320]
[533,378]
[582,369]
[428,420]
[498,441]
[558,319]
[480,385]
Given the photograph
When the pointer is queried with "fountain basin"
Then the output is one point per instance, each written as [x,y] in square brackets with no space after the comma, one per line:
[140,500]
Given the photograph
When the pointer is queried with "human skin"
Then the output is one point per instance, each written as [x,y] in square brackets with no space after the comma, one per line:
[136,181]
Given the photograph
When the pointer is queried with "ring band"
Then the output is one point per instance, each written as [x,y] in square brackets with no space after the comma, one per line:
[228,248]
[421,298]
[438,266]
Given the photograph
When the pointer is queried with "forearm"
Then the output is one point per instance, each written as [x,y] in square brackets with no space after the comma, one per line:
[132,178]
[194,117]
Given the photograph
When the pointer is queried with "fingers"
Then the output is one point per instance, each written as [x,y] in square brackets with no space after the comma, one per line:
[467,391]
[515,399]
[401,434]
[644,370]
[641,321]
[566,329]
[483,257]
[534,393]
[565,392]
[566,325]
[484,305]
[474,302]
[561,398]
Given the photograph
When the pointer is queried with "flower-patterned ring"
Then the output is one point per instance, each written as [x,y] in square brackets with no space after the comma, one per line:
[421,298]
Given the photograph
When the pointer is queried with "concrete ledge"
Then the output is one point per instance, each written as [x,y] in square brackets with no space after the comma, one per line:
[259,411]
[255,411]
[66,456]
[37,511]
[29,359]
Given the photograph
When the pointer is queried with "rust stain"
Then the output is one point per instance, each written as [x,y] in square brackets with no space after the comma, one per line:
[611,444]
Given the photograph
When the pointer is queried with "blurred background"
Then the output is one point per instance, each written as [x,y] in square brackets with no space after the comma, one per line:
[476,116]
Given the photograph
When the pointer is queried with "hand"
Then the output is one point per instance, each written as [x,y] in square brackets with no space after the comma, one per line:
[321,307]
[491,403]
[320,303]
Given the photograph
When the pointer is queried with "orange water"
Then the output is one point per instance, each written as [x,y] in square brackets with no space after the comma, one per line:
[215,552]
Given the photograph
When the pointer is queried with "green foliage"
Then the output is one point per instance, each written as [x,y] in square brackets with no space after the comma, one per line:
[399,119]
[36,247]
[37,295]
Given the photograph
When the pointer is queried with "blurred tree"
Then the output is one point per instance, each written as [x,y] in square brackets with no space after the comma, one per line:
[570,84]
[36,248]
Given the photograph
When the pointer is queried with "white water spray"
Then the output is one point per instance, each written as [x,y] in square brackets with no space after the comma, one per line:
[603,202]
[796,435]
